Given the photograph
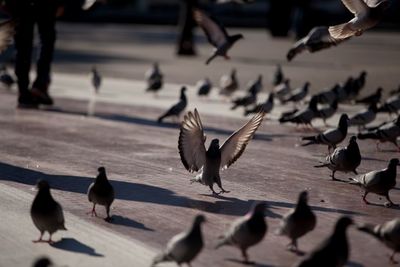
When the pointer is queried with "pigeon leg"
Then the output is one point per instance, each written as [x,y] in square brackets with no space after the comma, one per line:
[244,255]
[333,176]
[364,198]
[392,260]
[212,190]
[50,241]
[108,218]
[93,211]
[40,238]
[218,181]
[292,246]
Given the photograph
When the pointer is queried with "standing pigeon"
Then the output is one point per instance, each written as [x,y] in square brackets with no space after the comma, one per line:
[267,106]
[299,94]
[7,31]
[101,192]
[304,116]
[176,109]
[327,112]
[344,159]
[388,233]
[154,78]
[5,78]
[256,86]
[204,87]
[216,34]
[328,96]
[184,247]
[229,83]
[363,117]
[391,105]
[46,213]
[96,79]
[333,251]
[282,91]
[246,231]
[195,157]
[317,39]
[298,221]
[278,76]
[372,99]
[365,17]
[247,100]
[330,137]
[379,182]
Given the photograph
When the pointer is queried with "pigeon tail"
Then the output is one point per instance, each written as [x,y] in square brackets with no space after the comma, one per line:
[211,58]
[291,54]
[160,119]
[162,257]
[354,181]
[370,229]
[322,165]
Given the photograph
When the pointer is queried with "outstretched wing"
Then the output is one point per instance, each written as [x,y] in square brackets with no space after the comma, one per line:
[235,145]
[355,6]
[191,142]
[7,31]
[215,32]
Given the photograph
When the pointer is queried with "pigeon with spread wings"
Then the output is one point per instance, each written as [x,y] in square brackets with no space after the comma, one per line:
[196,158]
[216,34]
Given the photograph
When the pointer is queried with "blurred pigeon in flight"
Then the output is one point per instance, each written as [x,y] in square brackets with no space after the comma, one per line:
[379,182]
[184,247]
[247,100]
[365,17]
[216,34]
[344,159]
[278,76]
[298,221]
[154,78]
[229,83]
[6,78]
[176,109]
[372,99]
[46,213]
[267,106]
[204,87]
[333,251]
[195,157]
[101,192]
[246,231]
[256,86]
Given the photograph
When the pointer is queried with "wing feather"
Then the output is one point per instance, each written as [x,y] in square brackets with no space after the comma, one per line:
[215,32]
[355,6]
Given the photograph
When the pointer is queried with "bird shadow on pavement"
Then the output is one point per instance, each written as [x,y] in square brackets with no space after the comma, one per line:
[252,263]
[373,159]
[73,245]
[125,221]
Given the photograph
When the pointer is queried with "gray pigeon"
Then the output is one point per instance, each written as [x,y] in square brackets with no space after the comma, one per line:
[303,116]
[216,34]
[372,99]
[278,76]
[204,87]
[379,182]
[249,99]
[298,221]
[267,106]
[388,233]
[299,94]
[333,251]
[364,117]
[327,112]
[387,132]
[358,84]
[154,78]
[195,157]
[184,247]
[344,159]
[329,95]
[96,79]
[282,91]
[176,109]
[246,231]
[229,83]
[330,137]
[101,192]
[256,86]
[391,105]
[46,213]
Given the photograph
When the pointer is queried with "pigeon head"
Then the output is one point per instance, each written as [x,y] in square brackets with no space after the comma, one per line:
[183,89]
[343,223]
[258,208]
[379,90]
[373,107]
[214,143]
[363,74]
[233,72]
[42,262]
[394,162]
[313,104]
[235,38]
[43,185]
[199,219]
[303,197]
[101,170]
[306,85]
[353,139]
[344,119]
[260,77]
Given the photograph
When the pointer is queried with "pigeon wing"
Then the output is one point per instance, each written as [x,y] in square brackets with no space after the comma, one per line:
[356,6]
[235,145]
[215,32]
[191,142]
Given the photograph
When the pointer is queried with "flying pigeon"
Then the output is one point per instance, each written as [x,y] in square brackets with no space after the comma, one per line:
[216,34]
[299,94]
[364,117]
[298,221]
[278,76]
[246,231]
[267,106]
[327,112]
[379,182]
[204,87]
[256,86]
[333,251]
[46,213]
[328,96]
[7,31]
[154,78]
[344,159]
[374,98]
[282,90]
[195,157]
[304,116]
[184,247]
[96,79]
[388,233]
[101,192]
[330,137]
[365,17]
[247,100]
[6,78]
[229,83]
[176,109]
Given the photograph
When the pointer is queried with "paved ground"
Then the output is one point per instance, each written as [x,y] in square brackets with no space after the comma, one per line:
[154,197]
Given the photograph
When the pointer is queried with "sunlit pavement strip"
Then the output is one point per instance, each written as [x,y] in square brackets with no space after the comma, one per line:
[84,244]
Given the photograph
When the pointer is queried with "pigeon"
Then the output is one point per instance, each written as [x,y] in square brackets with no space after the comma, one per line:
[267,106]
[256,86]
[299,94]
[216,34]
[357,85]
[247,100]
[365,17]
[388,233]
[96,79]
[330,137]
[184,247]
[229,83]
[344,159]
[278,76]
[246,231]
[195,157]
[42,262]
[327,112]
[385,133]
[176,109]
[372,99]
[304,116]
[328,96]
[333,251]
[391,105]
[46,213]
[298,221]
[204,87]
[345,90]
[379,182]
[282,91]
[364,117]
[154,78]
[7,31]
[5,78]
[101,192]
[317,39]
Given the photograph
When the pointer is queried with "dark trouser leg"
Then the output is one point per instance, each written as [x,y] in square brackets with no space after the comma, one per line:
[186,25]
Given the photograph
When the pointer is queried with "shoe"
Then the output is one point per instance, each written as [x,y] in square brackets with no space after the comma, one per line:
[42,96]
[27,102]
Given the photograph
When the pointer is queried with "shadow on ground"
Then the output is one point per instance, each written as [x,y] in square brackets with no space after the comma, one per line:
[73,245]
